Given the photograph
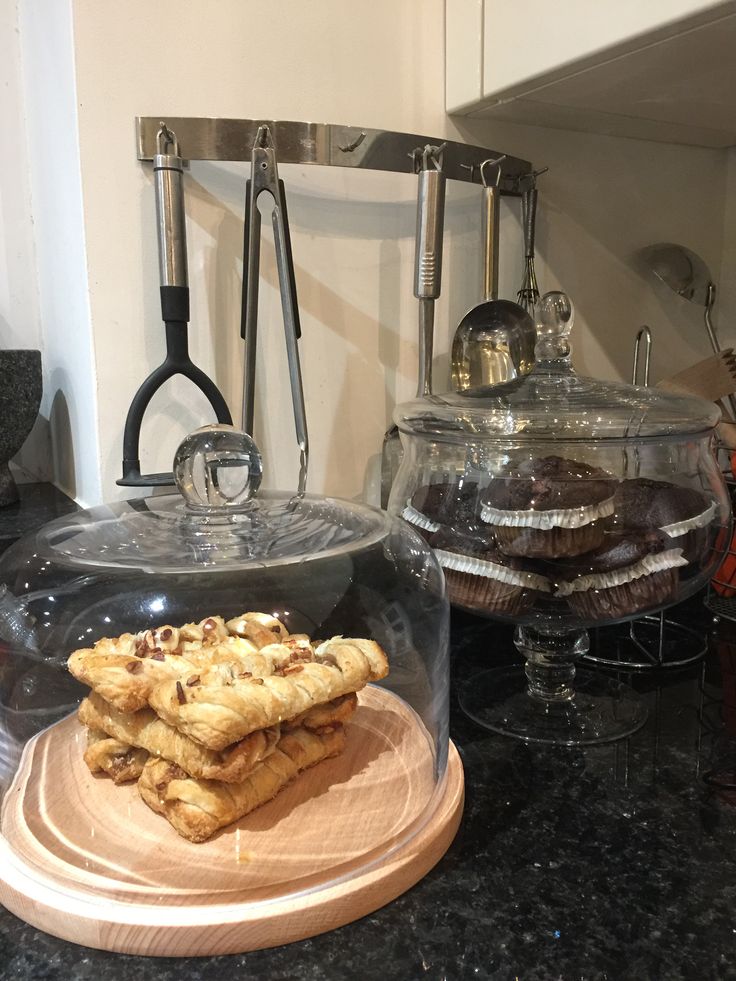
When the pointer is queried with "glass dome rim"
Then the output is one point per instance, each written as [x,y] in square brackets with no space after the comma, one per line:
[172,507]
[659,413]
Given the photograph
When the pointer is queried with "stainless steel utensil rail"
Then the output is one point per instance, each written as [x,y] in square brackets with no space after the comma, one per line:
[325,144]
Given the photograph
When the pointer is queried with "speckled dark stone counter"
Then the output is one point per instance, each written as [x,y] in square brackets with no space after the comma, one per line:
[38,504]
[611,863]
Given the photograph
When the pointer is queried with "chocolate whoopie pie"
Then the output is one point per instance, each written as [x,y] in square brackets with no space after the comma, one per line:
[683,514]
[435,506]
[550,507]
[479,577]
[626,575]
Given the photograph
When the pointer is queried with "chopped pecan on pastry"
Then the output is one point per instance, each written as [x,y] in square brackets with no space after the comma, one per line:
[216,715]
[124,670]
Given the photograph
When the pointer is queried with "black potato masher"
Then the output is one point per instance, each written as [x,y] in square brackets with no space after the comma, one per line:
[168,170]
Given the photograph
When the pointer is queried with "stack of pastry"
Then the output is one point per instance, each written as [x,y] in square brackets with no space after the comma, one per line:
[214,718]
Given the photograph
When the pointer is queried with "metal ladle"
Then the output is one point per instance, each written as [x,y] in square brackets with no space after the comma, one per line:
[494,341]
[687,275]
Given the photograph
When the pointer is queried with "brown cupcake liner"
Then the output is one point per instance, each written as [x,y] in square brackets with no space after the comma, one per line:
[556,543]
[632,597]
[487,595]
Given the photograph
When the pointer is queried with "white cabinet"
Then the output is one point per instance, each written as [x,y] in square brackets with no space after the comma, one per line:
[652,69]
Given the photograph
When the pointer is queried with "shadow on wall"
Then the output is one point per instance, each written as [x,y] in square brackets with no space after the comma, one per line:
[62,445]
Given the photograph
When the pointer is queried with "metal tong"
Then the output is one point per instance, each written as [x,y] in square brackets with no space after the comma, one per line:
[264,177]
[168,169]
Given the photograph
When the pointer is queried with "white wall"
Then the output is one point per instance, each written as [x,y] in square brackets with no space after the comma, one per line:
[19,322]
[604,199]
[375,65]
[68,409]
[19,315]
[378,65]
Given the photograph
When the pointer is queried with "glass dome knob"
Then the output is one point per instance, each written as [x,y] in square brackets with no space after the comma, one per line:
[554,323]
[218,467]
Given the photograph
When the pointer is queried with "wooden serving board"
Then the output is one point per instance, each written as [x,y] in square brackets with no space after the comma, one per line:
[89,862]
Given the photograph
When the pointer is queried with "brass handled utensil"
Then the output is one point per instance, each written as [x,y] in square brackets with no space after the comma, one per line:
[494,342]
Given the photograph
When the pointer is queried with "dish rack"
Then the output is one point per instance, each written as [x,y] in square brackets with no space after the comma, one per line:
[655,642]
[720,598]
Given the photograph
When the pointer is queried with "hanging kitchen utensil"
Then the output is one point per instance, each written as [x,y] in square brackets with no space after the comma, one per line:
[427,286]
[687,275]
[428,257]
[264,177]
[168,171]
[495,340]
[528,295]
[643,337]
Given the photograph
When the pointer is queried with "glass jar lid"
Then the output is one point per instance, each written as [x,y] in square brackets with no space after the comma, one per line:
[216,522]
[553,403]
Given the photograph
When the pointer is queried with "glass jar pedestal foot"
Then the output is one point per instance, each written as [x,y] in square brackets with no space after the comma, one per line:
[547,701]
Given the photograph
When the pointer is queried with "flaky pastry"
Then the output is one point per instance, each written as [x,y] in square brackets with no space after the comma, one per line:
[196,809]
[125,670]
[143,729]
[216,715]
[120,761]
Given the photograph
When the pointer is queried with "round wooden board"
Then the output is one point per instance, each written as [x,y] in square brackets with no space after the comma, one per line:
[89,862]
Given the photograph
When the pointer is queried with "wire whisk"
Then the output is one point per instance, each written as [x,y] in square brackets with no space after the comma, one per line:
[528,295]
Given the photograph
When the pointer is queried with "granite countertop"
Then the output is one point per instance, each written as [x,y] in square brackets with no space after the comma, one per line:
[614,862]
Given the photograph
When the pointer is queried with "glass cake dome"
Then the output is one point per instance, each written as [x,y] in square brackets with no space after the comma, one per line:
[558,503]
[317,571]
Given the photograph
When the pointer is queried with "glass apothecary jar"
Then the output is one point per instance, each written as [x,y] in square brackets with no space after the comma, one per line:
[251,592]
[559,503]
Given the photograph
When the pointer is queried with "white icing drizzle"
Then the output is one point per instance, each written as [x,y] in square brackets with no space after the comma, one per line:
[491,570]
[546,520]
[678,528]
[670,559]
[415,517]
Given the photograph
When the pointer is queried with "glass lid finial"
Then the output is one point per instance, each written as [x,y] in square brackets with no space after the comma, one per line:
[218,466]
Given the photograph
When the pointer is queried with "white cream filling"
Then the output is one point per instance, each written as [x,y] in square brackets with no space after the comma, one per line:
[547,520]
[415,517]
[678,528]
[491,570]
[670,559]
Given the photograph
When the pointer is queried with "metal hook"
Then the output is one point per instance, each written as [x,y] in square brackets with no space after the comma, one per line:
[421,158]
[531,177]
[165,138]
[349,147]
[491,163]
